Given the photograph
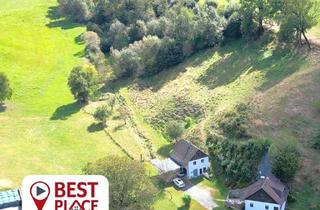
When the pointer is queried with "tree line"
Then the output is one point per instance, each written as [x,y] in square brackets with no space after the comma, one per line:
[144,37]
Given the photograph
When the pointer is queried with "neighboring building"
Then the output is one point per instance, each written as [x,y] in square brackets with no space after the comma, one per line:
[10,200]
[268,193]
[192,160]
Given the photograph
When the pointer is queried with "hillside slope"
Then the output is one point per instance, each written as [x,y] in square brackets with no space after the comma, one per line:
[279,83]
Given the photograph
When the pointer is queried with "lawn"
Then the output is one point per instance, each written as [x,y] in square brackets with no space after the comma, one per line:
[42,130]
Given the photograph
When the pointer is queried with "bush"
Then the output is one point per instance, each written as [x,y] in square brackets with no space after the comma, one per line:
[77,10]
[234,123]
[316,141]
[233,17]
[5,90]
[285,159]
[118,36]
[137,31]
[101,114]
[139,59]
[238,162]
[175,130]
[186,199]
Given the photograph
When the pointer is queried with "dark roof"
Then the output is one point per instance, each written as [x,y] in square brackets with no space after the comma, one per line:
[269,186]
[184,152]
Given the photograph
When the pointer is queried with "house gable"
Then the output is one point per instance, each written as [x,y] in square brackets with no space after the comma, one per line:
[261,196]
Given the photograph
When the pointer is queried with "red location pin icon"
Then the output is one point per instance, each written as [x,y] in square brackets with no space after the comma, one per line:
[40,192]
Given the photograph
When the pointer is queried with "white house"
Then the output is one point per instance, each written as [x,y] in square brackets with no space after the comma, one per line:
[192,161]
[268,193]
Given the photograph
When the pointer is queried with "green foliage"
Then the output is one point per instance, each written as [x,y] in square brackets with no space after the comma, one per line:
[77,10]
[186,199]
[253,14]
[102,113]
[188,121]
[285,159]
[5,90]
[297,16]
[233,17]
[237,161]
[92,49]
[82,81]
[234,123]
[130,187]
[118,36]
[175,129]
[316,141]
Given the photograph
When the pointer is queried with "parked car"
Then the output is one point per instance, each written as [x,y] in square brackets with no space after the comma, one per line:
[178,182]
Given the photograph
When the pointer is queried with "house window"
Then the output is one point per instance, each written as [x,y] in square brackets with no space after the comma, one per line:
[267,207]
[202,160]
[251,204]
[194,162]
[276,208]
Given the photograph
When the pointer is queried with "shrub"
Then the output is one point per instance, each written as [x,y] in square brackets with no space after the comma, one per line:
[234,123]
[77,10]
[118,36]
[316,141]
[285,159]
[137,31]
[101,114]
[175,130]
[186,200]
[5,90]
[237,161]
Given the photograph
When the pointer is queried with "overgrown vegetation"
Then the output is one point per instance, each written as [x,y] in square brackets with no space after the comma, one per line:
[285,159]
[237,161]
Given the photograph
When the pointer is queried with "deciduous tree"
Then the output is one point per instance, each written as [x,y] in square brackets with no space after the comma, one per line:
[130,187]
[82,81]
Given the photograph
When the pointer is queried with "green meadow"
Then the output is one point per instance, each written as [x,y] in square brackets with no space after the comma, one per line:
[42,130]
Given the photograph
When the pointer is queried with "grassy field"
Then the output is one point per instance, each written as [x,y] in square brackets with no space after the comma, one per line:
[42,130]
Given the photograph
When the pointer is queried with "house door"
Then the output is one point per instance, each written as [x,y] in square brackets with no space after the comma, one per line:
[200,171]
[195,172]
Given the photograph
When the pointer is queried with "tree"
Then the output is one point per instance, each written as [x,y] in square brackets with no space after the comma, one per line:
[130,187]
[82,81]
[5,90]
[285,159]
[118,36]
[175,129]
[297,17]
[77,10]
[101,114]
[137,31]
[253,14]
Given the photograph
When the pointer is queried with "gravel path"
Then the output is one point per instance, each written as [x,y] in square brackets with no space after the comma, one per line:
[202,195]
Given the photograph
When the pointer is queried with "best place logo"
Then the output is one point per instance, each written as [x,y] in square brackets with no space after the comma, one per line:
[65,193]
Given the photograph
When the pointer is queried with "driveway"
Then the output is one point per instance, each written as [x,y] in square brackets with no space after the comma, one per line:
[203,195]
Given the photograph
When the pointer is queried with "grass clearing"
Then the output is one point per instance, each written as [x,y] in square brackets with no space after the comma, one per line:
[42,130]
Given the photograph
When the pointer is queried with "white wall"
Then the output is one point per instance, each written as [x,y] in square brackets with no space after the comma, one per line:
[199,165]
[259,205]
[284,206]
